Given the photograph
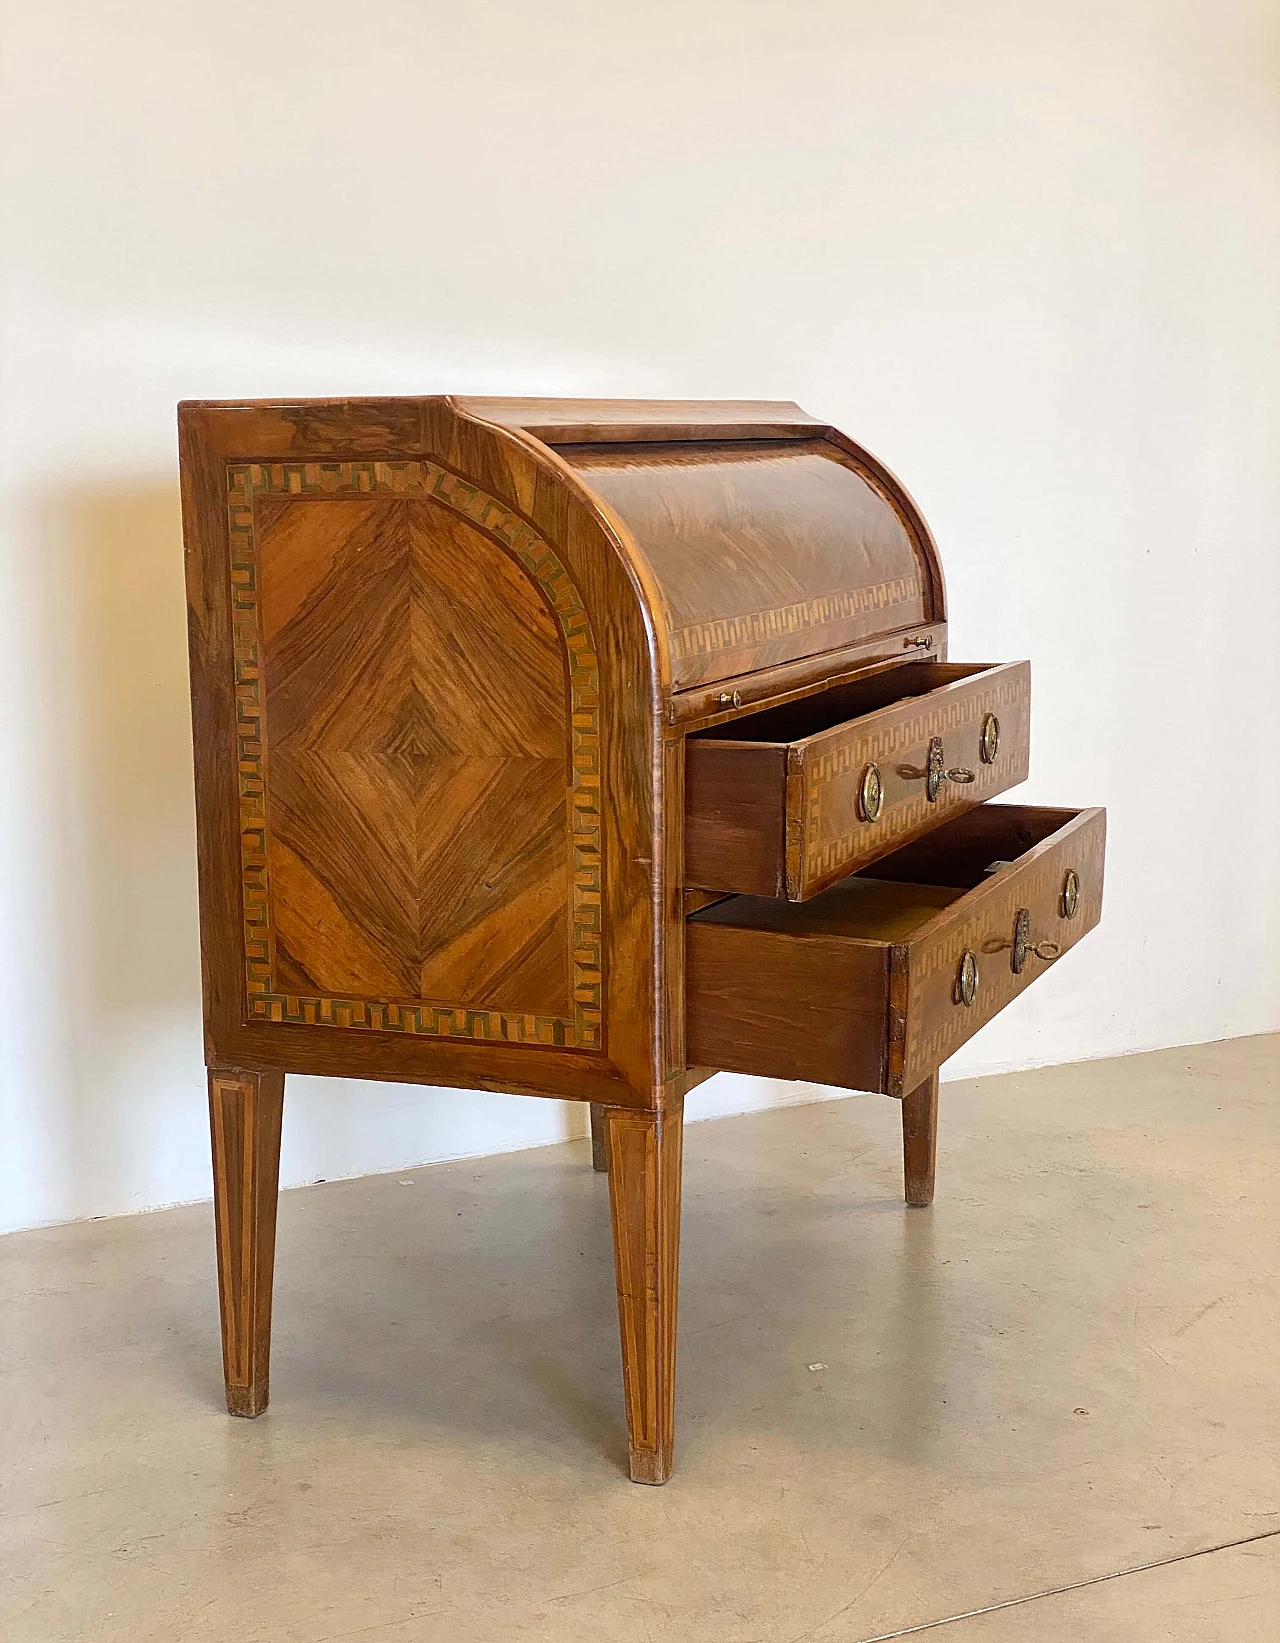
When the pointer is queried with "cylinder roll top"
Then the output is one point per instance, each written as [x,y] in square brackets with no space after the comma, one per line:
[768,537]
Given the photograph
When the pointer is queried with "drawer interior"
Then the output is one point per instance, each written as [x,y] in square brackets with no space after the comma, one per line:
[963,852]
[857,986]
[794,721]
[905,890]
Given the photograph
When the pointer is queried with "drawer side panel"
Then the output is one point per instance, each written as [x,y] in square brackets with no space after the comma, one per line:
[810,1008]
[735,817]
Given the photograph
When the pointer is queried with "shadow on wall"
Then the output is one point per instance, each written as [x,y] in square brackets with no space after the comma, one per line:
[117,849]
[123,619]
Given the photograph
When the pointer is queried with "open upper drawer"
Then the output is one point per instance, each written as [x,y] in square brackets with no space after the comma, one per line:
[785,802]
[873,984]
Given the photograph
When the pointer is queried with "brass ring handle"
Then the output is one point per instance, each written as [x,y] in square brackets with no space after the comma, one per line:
[871,794]
[966,986]
[1047,950]
[919,773]
[1070,893]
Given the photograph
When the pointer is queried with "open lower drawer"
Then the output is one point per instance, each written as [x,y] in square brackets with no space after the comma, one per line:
[874,983]
[785,802]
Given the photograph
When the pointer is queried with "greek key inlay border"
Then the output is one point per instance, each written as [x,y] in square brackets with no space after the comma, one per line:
[936,960]
[752,628]
[836,774]
[584,1028]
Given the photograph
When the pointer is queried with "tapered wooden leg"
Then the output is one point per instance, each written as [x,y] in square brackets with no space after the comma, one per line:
[920,1141]
[598,1160]
[245,1109]
[643,1150]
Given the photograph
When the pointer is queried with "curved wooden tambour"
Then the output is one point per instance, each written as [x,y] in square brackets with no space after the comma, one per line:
[435,644]
[765,551]
[766,537]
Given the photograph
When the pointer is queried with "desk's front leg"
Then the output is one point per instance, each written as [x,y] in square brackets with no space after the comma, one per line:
[643,1151]
[245,1112]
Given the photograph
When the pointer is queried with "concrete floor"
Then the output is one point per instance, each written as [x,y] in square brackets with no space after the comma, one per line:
[887,1418]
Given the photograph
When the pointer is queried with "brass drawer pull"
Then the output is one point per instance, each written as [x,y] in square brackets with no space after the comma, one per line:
[1070,893]
[918,642]
[989,740]
[1023,944]
[935,773]
[726,700]
[967,978]
[871,793]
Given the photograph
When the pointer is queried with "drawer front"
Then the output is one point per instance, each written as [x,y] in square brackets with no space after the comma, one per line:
[832,837]
[787,814]
[928,1017]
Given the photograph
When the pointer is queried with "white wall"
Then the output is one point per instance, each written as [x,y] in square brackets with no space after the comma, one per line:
[1028,253]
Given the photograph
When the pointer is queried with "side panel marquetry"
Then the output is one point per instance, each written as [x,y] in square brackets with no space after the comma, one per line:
[418,742]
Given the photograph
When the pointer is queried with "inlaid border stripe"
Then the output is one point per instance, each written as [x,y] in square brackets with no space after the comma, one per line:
[584,1029]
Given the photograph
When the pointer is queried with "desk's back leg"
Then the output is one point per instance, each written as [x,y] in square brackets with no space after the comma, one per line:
[598,1161]
[245,1110]
[920,1141]
[643,1150]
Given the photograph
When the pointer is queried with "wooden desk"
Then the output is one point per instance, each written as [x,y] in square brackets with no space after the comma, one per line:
[581,749]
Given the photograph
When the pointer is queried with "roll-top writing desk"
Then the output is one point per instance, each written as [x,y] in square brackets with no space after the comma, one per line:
[582,749]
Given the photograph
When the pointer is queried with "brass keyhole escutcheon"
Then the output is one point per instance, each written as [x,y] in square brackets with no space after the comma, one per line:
[989,741]
[935,772]
[871,793]
[1023,946]
[967,979]
[1070,894]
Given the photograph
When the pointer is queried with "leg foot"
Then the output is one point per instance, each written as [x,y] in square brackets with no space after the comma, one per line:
[245,1110]
[644,1155]
[598,1161]
[920,1141]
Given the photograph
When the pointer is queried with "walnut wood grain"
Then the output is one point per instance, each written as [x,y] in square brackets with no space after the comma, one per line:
[419,777]
[643,1151]
[764,1002]
[245,1111]
[764,551]
[920,1142]
[735,822]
